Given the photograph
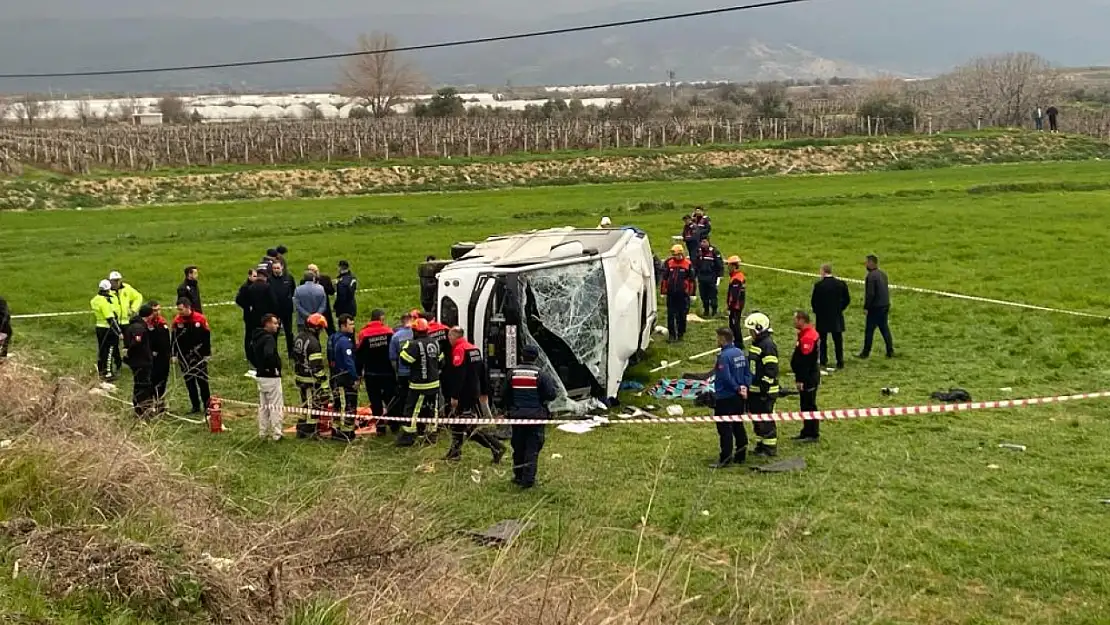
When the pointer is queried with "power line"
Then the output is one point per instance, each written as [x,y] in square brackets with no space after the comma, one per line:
[427,46]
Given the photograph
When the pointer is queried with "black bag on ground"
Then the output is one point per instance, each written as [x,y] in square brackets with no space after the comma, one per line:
[952,395]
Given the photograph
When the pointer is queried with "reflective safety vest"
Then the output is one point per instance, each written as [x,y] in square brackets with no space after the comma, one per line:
[106,311]
[423,358]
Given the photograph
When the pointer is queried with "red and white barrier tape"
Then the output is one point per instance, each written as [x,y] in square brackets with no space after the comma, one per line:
[971,298]
[822,415]
[74,313]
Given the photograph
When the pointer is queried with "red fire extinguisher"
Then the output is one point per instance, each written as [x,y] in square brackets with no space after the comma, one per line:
[215,417]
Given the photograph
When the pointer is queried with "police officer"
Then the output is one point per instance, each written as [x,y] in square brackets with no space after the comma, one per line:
[162,351]
[730,391]
[372,350]
[807,373]
[736,297]
[344,377]
[424,361]
[346,286]
[466,387]
[677,287]
[528,390]
[106,309]
[310,371]
[140,357]
[192,341]
[763,362]
[128,298]
[709,267]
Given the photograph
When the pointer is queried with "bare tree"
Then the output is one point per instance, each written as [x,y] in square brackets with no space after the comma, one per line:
[84,111]
[29,108]
[1000,90]
[124,110]
[379,80]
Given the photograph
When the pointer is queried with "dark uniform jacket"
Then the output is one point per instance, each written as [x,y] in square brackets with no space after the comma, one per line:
[702,227]
[136,340]
[192,338]
[829,301]
[190,290]
[161,345]
[346,286]
[804,363]
[281,289]
[424,359]
[341,358]
[465,380]
[257,301]
[678,278]
[266,356]
[309,365]
[527,392]
[372,349]
[737,292]
[709,263]
[876,290]
[763,361]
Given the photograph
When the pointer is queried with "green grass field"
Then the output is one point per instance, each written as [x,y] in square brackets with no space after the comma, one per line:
[895,520]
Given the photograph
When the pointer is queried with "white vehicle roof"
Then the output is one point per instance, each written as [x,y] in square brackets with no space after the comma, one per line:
[542,246]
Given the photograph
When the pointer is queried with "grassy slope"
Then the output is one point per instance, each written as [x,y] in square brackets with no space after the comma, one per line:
[895,520]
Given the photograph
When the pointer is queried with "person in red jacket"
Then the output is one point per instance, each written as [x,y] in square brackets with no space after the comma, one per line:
[807,373]
[736,296]
[677,287]
[372,347]
[192,347]
[467,388]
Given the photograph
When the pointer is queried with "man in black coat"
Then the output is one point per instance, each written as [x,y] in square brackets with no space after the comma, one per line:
[5,328]
[829,301]
[189,289]
[877,304]
[282,287]
[255,300]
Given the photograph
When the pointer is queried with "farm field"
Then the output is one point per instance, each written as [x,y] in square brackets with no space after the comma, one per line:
[895,520]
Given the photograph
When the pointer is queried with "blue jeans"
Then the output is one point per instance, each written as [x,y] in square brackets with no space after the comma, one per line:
[877,319]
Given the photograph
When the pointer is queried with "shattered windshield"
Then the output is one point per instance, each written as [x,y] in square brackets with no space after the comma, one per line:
[572,302]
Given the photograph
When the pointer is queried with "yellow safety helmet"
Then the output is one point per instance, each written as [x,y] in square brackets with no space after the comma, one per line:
[678,249]
[733,260]
[758,323]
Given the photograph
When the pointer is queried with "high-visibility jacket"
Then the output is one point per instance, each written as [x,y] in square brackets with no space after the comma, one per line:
[309,364]
[128,300]
[106,311]
[678,277]
[737,291]
[424,359]
[763,362]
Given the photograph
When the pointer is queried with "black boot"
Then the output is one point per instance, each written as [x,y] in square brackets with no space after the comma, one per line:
[766,450]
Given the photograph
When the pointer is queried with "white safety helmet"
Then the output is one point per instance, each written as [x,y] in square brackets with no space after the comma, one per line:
[115,275]
[105,285]
[758,322]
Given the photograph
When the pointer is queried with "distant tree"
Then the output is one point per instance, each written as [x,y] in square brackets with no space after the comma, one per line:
[575,108]
[1002,90]
[732,93]
[380,79]
[769,100]
[84,111]
[445,103]
[359,112]
[172,109]
[636,104]
[196,117]
[5,106]
[29,108]
[123,110]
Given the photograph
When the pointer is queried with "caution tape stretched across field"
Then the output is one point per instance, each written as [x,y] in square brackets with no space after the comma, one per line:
[74,313]
[971,298]
[822,415]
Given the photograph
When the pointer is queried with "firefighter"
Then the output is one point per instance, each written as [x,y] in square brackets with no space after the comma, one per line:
[677,287]
[140,357]
[731,381]
[192,341]
[466,387]
[736,297]
[436,331]
[401,336]
[346,286]
[344,377]
[128,299]
[805,363]
[162,350]
[310,371]
[108,332]
[763,362]
[424,360]
[372,349]
[709,267]
[528,391]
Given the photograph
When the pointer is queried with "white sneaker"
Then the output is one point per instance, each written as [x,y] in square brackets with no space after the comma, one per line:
[251,373]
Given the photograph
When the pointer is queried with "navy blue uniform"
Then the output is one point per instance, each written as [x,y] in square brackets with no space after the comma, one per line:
[344,380]
[528,393]
[731,374]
